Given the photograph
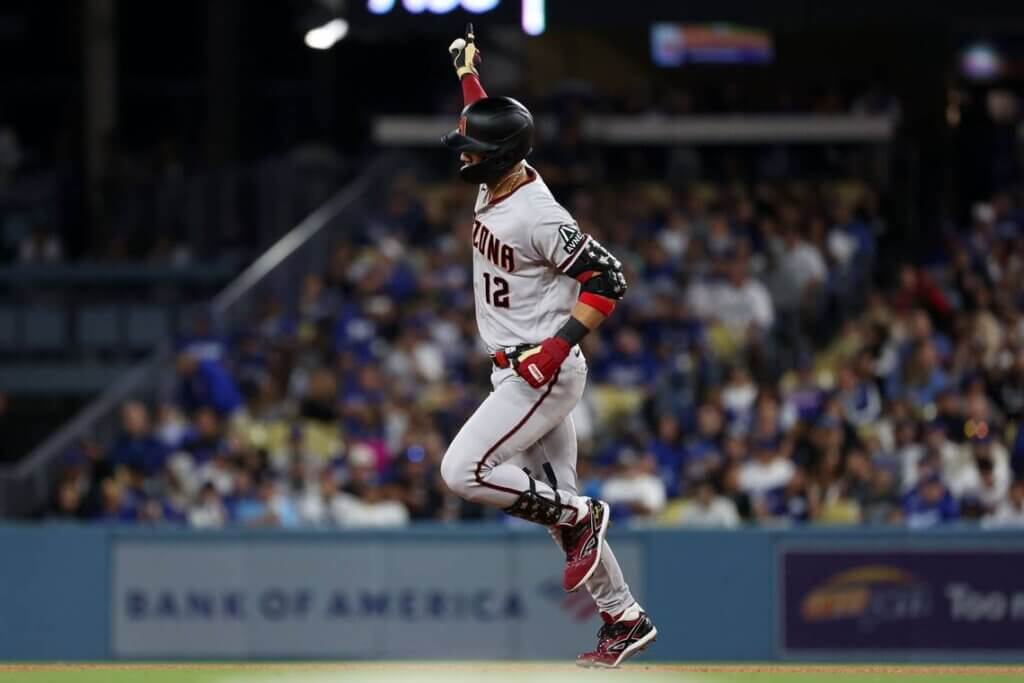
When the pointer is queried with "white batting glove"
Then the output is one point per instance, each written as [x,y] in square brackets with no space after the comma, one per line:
[465,55]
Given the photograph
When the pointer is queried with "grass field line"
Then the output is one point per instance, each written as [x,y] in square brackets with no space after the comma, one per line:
[493,672]
[516,667]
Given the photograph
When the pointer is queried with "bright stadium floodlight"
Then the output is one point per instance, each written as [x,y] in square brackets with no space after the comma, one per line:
[479,6]
[534,19]
[981,62]
[432,6]
[324,37]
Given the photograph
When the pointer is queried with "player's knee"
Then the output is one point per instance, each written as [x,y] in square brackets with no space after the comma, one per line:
[456,474]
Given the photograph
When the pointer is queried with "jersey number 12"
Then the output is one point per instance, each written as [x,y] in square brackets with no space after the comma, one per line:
[500,292]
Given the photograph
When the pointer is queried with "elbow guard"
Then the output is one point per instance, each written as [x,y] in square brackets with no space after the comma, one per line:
[601,275]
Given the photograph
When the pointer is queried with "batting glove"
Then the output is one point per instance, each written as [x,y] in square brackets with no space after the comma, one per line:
[539,364]
[465,56]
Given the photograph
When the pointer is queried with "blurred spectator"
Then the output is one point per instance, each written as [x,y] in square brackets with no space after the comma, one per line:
[320,402]
[136,447]
[983,476]
[1010,512]
[930,504]
[799,270]
[631,364]
[209,511]
[862,404]
[364,503]
[421,489]
[118,502]
[738,307]
[881,503]
[766,472]
[41,246]
[916,289]
[670,453]
[703,451]
[206,383]
[260,504]
[635,489]
[205,441]
[708,510]
[69,504]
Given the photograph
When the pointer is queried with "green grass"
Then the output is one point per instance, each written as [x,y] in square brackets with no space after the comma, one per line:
[491,672]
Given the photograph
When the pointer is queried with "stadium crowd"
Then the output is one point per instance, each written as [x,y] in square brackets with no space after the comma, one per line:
[762,369]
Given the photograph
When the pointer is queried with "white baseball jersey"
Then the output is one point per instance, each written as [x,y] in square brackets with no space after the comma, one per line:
[522,244]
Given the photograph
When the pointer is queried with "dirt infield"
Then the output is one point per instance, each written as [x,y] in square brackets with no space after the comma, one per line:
[519,667]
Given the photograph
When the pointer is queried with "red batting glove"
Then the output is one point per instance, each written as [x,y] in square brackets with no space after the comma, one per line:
[539,364]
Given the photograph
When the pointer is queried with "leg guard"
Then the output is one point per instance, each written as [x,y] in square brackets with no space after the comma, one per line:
[533,508]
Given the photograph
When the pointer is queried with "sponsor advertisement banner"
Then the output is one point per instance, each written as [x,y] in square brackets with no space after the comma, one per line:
[884,601]
[394,598]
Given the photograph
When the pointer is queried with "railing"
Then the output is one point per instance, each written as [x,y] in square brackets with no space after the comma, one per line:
[655,129]
[277,273]
[24,485]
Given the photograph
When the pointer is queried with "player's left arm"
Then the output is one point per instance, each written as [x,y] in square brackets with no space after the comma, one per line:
[603,284]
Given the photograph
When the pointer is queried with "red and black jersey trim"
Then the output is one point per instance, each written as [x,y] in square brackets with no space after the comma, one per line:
[519,425]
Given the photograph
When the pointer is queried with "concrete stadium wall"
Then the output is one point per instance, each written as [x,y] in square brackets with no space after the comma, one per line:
[97,593]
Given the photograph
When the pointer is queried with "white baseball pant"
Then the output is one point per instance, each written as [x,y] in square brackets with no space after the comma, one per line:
[519,427]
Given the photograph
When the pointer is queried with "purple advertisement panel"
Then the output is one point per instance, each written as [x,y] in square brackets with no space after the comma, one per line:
[863,600]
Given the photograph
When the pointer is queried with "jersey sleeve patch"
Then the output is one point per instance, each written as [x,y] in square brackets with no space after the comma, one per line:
[573,257]
[571,236]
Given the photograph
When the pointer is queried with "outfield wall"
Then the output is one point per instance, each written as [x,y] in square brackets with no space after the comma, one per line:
[94,593]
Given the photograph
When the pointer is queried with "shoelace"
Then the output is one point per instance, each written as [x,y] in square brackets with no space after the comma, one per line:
[610,631]
[570,537]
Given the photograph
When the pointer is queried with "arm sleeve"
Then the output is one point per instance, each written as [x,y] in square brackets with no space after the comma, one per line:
[472,90]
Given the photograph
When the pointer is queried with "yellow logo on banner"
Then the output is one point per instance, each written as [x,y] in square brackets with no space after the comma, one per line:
[848,593]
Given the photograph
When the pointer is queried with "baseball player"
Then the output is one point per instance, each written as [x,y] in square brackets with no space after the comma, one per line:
[541,286]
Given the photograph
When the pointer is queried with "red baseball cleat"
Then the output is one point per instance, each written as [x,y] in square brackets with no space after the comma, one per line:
[617,641]
[582,543]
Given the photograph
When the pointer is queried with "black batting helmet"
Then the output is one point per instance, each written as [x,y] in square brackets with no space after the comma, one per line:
[501,129]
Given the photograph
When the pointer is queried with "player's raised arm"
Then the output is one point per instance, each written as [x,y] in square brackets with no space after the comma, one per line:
[603,284]
[466,58]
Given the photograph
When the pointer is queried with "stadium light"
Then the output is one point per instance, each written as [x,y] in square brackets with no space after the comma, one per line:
[432,6]
[479,6]
[534,19]
[981,62]
[324,37]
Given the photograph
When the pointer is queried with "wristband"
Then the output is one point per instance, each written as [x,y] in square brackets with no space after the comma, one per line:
[601,303]
[572,332]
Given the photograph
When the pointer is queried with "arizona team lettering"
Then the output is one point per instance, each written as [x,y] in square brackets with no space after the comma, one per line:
[489,246]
